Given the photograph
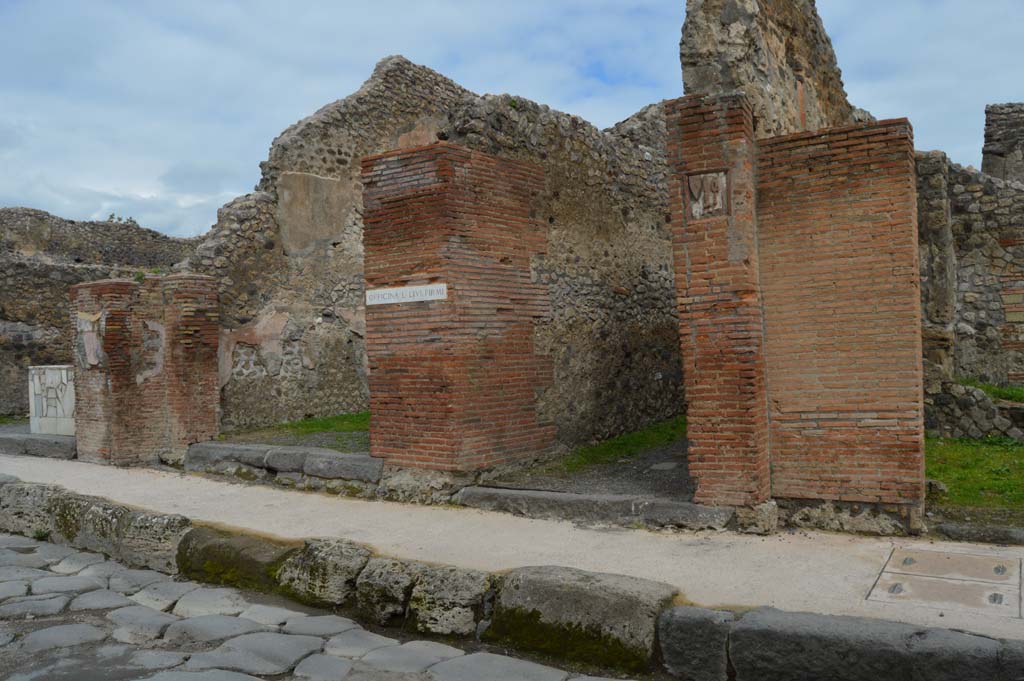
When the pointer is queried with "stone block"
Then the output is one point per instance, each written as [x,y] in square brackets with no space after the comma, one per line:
[50,446]
[694,643]
[24,508]
[204,601]
[203,456]
[327,463]
[260,653]
[760,519]
[324,571]
[480,666]
[449,600]
[603,619]
[61,636]
[595,508]
[384,587]
[286,459]
[137,538]
[151,540]
[243,561]
[944,655]
[12,444]
[770,645]
[420,485]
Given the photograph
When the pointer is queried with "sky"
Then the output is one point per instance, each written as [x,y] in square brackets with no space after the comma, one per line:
[161,111]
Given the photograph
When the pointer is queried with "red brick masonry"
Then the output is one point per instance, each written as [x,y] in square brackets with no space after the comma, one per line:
[454,382]
[145,367]
[800,309]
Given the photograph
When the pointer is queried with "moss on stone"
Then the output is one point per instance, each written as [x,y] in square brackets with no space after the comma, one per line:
[525,630]
[66,516]
[241,561]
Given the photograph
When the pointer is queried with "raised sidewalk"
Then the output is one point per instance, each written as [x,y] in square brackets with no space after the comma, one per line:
[802,571]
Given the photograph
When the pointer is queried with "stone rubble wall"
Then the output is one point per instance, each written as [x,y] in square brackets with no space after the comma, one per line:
[290,257]
[774,51]
[41,256]
[1003,154]
[972,291]
[965,411]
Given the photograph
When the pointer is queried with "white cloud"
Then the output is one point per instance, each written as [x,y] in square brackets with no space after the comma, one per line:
[163,111]
[937,62]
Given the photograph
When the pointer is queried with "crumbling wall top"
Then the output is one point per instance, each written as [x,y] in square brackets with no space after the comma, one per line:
[777,52]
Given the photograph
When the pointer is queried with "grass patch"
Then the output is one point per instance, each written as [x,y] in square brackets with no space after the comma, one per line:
[5,420]
[1013,393]
[979,473]
[630,444]
[342,423]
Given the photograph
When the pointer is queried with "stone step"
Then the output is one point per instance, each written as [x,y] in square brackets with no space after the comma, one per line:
[264,460]
[28,444]
[596,508]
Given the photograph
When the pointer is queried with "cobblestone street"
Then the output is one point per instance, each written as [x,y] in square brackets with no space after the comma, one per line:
[74,616]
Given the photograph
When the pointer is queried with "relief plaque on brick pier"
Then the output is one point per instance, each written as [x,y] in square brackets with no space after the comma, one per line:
[707,195]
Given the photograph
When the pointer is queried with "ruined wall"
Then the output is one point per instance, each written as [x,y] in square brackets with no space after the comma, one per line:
[776,52]
[1003,154]
[290,256]
[973,275]
[145,356]
[41,256]
[972,293]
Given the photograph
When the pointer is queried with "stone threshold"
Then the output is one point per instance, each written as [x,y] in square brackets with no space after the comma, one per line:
[630,624]
[28,444]
[595,509]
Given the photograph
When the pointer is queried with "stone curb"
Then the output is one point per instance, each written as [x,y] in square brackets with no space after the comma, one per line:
[596,508]
[772,645]
[304,467]
[617,620]
[981,534]
[135,537]
[28,444]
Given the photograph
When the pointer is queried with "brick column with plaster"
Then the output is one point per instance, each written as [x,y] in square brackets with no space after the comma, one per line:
[454,380]
[145,367]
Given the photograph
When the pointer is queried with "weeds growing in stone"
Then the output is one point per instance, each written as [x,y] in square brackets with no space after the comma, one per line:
[630,444]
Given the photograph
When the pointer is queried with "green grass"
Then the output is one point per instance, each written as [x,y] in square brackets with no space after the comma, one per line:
[1013,393]
[623,446]
[342,423]
[4,420]
[979,473]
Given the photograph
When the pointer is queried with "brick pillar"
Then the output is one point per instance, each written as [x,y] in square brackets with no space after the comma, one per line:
[192,319]
[102,320]
[454,375]
[712,152]
[146,368]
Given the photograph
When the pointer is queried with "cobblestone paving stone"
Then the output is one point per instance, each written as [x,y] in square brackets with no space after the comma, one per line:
[67,615]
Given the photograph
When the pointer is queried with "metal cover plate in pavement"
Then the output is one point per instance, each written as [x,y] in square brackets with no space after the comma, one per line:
[994,569]
[997,600]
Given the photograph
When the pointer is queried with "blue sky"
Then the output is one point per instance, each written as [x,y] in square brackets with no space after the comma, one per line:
[163,110]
